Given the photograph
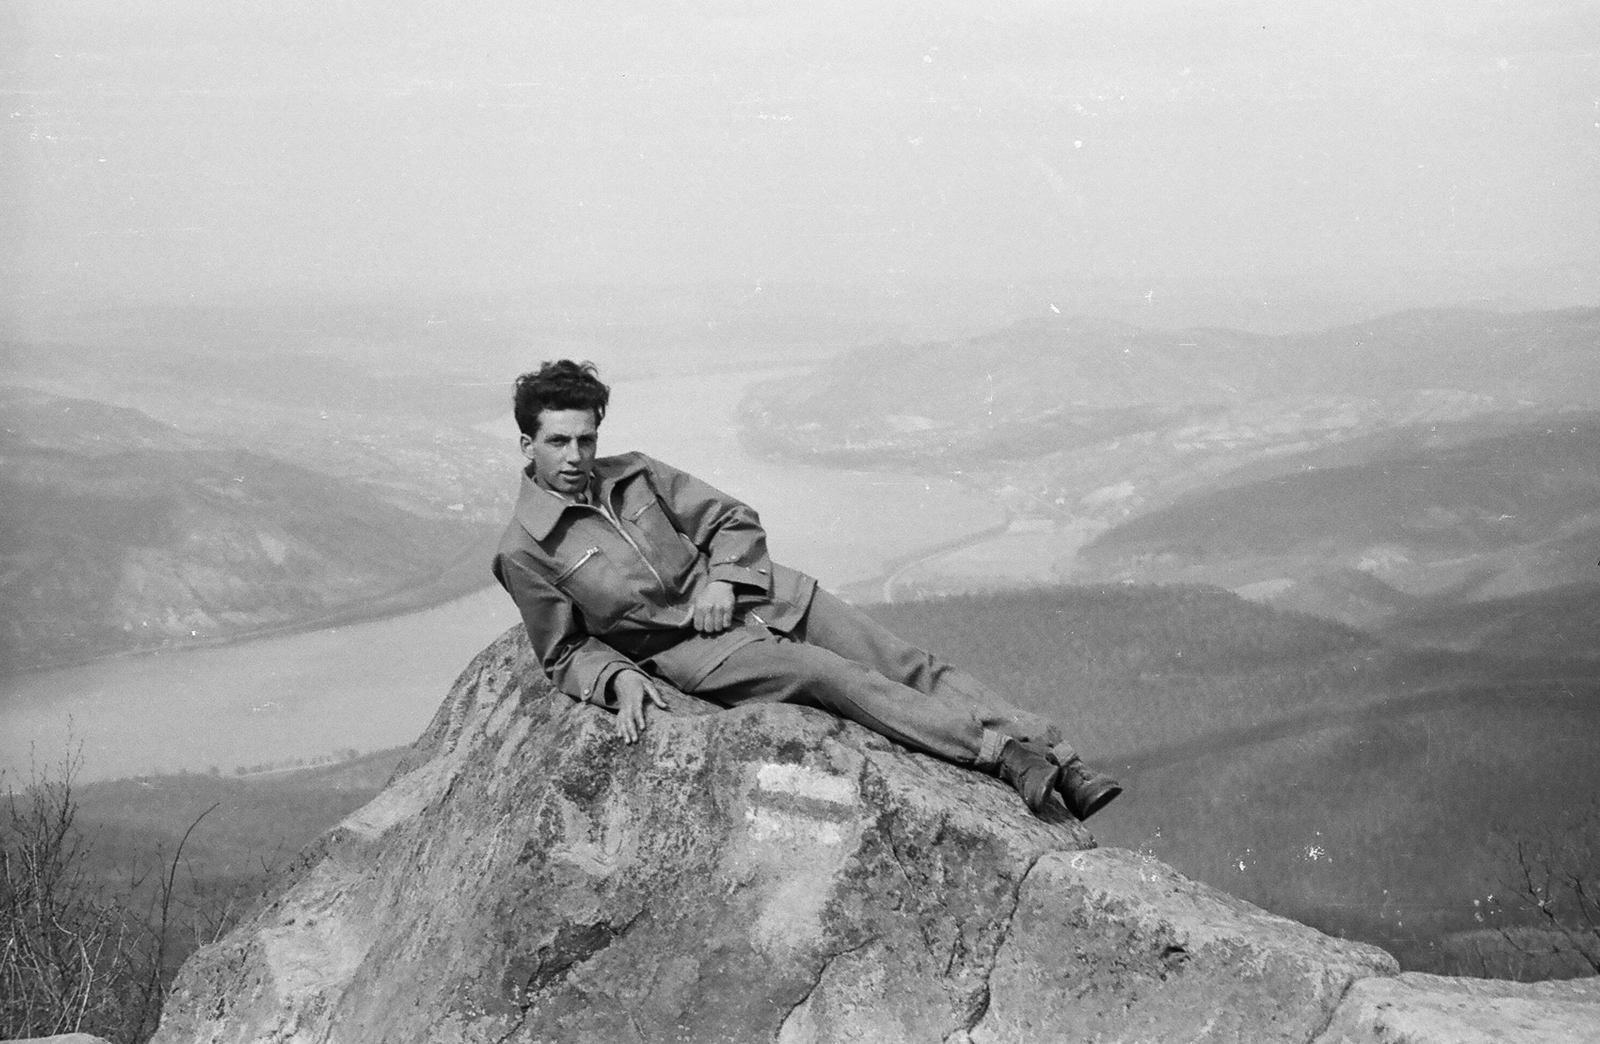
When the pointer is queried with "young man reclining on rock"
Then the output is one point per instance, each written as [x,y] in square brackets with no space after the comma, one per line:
[626,570]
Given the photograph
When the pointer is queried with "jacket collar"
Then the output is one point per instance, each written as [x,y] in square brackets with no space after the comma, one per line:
[538,510]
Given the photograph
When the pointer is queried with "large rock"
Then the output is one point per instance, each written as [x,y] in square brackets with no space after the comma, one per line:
[767,874]
[1108,945]
[1435,1009]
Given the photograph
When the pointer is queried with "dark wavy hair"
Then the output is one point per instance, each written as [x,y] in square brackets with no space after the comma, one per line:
[559,385]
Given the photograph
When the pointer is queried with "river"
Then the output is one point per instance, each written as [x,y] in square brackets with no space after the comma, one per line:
[372,685]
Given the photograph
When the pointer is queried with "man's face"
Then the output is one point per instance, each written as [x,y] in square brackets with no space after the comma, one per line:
[563,450]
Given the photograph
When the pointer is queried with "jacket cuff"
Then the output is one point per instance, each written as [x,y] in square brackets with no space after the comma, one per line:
[598,692]
[758,577]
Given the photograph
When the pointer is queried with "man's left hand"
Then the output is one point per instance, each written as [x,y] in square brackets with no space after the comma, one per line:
[713,608]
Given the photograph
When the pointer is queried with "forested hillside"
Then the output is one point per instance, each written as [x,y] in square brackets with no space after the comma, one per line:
[120,532]
[1363,786]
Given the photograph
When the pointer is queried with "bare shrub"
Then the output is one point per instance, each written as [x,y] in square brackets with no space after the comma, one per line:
[78,954]
[1551,890]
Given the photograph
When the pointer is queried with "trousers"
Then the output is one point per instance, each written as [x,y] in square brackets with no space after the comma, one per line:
[840,659]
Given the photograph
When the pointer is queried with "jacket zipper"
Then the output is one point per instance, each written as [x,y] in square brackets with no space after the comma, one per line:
[574,567]
[617,525]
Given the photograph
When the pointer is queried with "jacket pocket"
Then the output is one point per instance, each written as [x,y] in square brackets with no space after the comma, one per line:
[594,585]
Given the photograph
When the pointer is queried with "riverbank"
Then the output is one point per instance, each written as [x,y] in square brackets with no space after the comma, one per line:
[468,574]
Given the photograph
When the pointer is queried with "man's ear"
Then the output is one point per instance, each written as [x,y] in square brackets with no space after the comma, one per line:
[526,442]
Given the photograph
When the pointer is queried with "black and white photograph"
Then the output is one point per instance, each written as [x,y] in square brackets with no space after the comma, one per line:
[756,522]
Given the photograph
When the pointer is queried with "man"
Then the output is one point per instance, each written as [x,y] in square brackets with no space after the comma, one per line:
[627,570]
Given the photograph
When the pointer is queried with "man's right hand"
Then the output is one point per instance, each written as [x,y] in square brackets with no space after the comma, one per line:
[632,690]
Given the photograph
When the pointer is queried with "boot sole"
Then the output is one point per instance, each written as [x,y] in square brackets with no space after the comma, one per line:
[1099,801]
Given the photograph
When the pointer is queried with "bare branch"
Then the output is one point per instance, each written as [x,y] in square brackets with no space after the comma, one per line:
[1554,881]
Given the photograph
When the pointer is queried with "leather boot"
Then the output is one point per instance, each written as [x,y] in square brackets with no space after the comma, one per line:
[1034,776]
[1085,790]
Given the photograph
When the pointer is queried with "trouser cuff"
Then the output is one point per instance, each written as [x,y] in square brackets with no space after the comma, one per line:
[989,750]
[1063,753]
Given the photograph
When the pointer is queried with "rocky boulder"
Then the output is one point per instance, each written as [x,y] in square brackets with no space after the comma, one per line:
[768,874]
[1434,1009]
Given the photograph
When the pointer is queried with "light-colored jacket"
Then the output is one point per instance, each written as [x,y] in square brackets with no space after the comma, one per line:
[606,586]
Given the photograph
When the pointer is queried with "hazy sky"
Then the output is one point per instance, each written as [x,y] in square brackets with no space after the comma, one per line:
[187,147]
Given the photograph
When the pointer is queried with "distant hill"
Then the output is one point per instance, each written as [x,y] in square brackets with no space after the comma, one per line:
[1375,472]
[1364,786]
[1557,623]
[342,395]
[119,532]
[1043,385]
[1366,532]
[1479,496]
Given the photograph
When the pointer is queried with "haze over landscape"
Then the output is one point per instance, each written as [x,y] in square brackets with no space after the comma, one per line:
[1222,378]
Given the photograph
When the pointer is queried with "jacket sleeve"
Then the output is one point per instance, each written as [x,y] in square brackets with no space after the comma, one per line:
[725,528]
[576,662]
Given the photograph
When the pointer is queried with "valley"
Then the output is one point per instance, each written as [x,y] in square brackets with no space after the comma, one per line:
[1326,603]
